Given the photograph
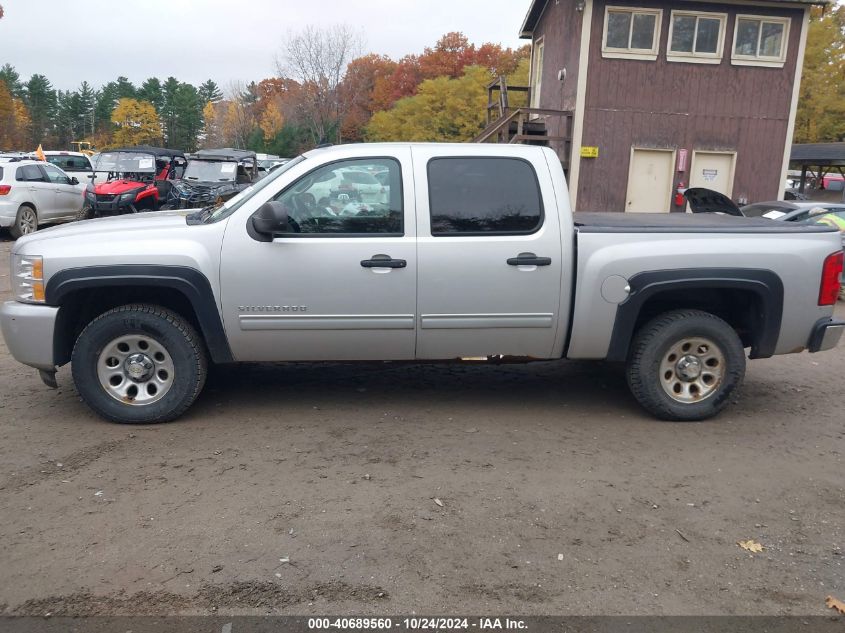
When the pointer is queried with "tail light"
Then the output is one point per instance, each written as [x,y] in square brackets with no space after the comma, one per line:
[5,189]
[831,279]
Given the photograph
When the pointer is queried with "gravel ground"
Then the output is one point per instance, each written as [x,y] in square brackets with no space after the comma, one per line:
[387,489]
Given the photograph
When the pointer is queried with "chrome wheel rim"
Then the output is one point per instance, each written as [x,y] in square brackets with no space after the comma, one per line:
[135,369]
[692,370]
[28,222]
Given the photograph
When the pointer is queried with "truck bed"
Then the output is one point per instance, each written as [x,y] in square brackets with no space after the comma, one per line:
[687,223]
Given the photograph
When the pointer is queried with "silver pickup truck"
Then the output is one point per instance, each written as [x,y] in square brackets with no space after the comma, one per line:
[421,252]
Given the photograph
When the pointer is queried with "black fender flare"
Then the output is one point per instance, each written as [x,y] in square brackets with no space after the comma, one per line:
[190,282]
[766,285]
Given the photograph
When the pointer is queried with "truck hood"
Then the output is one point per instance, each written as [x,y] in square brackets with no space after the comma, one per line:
[703,200]
[122,227]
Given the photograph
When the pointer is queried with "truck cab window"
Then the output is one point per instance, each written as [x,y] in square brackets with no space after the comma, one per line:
[349,197]
[479,196]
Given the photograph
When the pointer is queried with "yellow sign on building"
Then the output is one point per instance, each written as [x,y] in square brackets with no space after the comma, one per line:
[589,151]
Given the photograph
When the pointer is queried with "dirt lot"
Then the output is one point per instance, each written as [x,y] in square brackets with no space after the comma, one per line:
[312,489]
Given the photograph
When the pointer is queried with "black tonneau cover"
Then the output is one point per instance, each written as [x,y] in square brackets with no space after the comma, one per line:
[687,223]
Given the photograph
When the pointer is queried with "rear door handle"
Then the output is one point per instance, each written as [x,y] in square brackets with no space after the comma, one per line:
[529,259]
[383,261]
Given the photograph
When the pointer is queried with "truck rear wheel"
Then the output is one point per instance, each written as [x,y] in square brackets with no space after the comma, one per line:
[684,365]
[139,364]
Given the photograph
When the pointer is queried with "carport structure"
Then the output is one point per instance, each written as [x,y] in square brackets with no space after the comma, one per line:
[819,159]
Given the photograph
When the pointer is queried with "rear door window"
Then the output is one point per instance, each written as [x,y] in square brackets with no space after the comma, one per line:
[30,173]
[482,196]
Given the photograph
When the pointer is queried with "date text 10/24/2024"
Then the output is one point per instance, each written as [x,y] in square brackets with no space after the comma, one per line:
[419,624]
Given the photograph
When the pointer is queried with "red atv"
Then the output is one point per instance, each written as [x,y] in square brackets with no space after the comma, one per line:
[137,179]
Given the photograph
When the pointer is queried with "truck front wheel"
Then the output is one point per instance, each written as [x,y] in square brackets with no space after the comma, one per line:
[139,364]
[684,365]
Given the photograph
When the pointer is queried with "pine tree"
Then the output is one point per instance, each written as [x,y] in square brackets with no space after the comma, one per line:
[40,99]
[86,99]
[12,79]
[210,92]
[151,91]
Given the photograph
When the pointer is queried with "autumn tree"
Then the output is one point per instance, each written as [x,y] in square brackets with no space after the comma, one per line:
[136,123]
[443,109]
[821,103]
[363,76]
[14,120]
[317,58]
[271,121]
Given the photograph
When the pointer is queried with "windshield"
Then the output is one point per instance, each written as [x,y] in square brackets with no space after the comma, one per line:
[126,162]
[210,171]
[221,211]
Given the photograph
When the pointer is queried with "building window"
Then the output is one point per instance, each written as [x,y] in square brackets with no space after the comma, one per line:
[696,37]
[631,33]
[760,41]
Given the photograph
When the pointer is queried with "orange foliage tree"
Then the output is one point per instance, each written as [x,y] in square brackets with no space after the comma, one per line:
[14,120]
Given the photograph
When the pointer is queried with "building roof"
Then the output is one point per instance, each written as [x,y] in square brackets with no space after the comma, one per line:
[818,154]
[538,6]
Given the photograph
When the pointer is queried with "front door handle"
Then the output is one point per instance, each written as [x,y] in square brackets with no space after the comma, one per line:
[529,259]
[383,261]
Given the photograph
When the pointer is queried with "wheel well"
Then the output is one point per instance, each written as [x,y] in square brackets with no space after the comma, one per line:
[82,306]
[741,309]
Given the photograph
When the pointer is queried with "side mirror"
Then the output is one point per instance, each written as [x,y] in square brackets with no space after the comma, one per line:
[271,217]
[73,180]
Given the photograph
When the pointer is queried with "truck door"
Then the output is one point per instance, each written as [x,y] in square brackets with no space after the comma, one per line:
[490,255]
[341,283]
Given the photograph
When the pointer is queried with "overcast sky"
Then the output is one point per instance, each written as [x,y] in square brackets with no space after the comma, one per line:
[224,40]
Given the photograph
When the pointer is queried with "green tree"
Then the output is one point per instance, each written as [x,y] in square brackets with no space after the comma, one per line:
[821,102]
[68,117]
[210,92]
[151,91]
[187,118]
[87,100]
[443,109]
[9,75]
[168,108]
[40,99]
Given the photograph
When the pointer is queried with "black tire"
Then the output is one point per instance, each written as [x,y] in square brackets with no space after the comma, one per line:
[650,365]
[21,225]
[85,213]
[166,328]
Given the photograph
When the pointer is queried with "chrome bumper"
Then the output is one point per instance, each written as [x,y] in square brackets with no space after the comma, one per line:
[28,331]
[826,335]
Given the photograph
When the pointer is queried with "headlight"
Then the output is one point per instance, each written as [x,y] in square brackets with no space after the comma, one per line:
[128,197]
[28,278]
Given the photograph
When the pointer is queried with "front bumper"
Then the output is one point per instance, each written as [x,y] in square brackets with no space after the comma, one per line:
[28,331]
[826,334]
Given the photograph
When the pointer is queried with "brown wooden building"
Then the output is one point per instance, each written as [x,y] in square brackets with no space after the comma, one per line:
[644,96]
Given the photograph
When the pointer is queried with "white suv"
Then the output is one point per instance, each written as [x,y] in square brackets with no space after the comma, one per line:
[33,193]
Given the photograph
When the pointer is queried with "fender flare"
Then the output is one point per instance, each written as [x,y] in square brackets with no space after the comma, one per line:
[766,285]
[188,281]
